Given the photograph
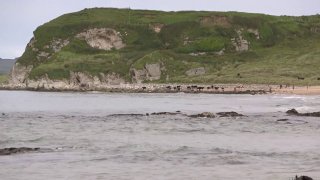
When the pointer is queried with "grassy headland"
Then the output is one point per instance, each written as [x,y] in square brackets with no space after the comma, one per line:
[282,49]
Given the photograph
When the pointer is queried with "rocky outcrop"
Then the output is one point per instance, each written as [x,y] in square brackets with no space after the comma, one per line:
[220,114]
[165,113]
[217,20]
[46,83]
[303,178]
[198,54]
[154,71]
[57,44]
[77,81]
[221,52]
[138,76]
[203,115]
[150,72]
[157,27]
[53,47]
[254,32]
[315,29]
[292,112]
[19,74]
[32,42]
[196,71]
[42,55]
[85,80]
[111,79]
[82,79]
[229,114]
[102,38]
[296,113]
[122,115]
[12,150]
[240,43]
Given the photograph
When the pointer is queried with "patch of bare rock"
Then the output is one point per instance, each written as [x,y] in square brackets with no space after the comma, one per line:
[102,38]
[196,71]
[12,150]
[296,113]
[149,72]
[199,115]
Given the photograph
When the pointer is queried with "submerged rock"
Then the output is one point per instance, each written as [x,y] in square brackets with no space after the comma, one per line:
[303,178]
[282,120]
[229,114]
[292,111]
[313,114]
[148,114]
[119,115]
[165,113]
[12,150]
[296,113]
[203,115]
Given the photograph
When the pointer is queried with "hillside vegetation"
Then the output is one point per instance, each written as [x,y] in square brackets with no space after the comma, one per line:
[184,47]
[5,67]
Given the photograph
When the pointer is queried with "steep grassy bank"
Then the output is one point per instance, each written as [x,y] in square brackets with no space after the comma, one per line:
[184,47]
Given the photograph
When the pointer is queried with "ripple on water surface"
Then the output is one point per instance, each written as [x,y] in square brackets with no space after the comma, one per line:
[87,143]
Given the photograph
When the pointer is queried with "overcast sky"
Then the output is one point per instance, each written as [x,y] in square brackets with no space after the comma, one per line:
[19,18]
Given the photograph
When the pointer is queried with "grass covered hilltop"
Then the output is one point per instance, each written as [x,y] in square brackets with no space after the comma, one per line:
[122,45]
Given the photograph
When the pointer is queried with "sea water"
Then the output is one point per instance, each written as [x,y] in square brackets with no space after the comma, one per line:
[107,136]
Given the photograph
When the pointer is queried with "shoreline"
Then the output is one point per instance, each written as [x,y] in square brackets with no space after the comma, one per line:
[178,88]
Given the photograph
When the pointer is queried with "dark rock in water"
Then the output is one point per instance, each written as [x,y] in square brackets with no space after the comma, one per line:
[229,114]
[3,114]
[313,114]
[296,113]
[203,115]
[303,178]
[147,114]
[282,120]
[12,150]
[117,115]
[165,113]
[293,112]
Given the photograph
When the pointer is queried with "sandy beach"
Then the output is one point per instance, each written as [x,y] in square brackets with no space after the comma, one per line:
[299,90]
[186,88]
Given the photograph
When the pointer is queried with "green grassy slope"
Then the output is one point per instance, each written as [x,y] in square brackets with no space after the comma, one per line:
[287,47]
[5,67]
[3,78]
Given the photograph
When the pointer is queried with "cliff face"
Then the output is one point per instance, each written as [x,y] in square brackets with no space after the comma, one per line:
[106,47]
[19,74]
